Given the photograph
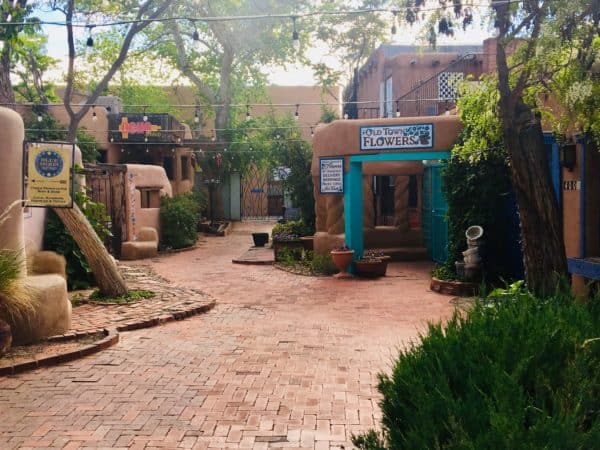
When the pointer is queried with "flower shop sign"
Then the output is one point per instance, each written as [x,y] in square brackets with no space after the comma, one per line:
[332,175]
[396,137]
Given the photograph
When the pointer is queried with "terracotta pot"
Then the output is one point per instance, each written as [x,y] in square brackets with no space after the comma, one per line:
[341,260]
[372,268]
[5,337]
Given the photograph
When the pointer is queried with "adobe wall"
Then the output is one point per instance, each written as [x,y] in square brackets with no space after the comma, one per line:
[341,138]
[142,175]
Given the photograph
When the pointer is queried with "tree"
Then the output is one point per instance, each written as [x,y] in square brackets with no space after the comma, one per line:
[224,58]
[11,42]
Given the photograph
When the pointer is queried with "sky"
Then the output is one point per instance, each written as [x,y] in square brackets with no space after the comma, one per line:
[291,75]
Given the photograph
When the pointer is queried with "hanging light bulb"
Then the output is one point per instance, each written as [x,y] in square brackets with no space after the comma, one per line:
[248,117]
[145,116]
[39,117]
[94,116]
[394,29]
[214,136]
[312,132]
[145,138]
[196,117]
[90,39]
[147,150]
[112,139]
[295,36]
[122,150]
[397,109]
[9,17]
[297,114]
[345,115]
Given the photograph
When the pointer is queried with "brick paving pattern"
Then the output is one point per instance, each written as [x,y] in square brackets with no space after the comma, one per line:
[282,361]
[168,300]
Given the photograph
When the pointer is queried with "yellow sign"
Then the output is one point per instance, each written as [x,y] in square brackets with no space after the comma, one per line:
[49,176]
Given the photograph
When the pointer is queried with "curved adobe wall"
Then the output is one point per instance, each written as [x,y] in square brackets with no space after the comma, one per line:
[341,138]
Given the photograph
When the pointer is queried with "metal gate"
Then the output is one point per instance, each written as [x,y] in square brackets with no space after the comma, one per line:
[106,185]
[262,195]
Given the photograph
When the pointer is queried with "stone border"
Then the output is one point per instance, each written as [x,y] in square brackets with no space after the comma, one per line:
[459,288]
[111,338]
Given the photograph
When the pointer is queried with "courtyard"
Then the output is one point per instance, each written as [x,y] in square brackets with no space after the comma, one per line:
[282,360]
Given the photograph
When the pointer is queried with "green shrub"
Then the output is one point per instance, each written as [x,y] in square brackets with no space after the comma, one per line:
[179,217]
[58,239]
[290,230]
[515,373]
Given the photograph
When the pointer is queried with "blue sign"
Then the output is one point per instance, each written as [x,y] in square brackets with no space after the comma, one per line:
[257,190]
[49,163]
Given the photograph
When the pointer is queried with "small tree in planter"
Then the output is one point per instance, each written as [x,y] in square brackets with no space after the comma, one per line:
[179,217]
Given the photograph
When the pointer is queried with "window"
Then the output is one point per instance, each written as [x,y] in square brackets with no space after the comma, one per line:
[149,197]
[185,168]
[389,101]
[168,166]
[448,83]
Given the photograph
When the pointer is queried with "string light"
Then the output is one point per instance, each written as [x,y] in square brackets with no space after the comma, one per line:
[94,116]
[312,132]
[248,112]
[397,108]
[39,117]
[394,29]
[196,117]
[145,116]
[90,39]
[297,114]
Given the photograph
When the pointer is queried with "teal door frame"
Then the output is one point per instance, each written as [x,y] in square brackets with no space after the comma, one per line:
[353,194]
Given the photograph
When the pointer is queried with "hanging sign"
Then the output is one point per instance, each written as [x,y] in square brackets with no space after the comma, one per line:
[49,181]
[396,137]
[332,175]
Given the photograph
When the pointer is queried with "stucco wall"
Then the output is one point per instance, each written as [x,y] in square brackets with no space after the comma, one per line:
[141,175]
[341,138]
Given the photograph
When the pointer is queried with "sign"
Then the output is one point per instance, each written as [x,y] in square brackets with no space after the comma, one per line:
[144,127]
[332,175]
[49,181]
[396,137]
[571,185]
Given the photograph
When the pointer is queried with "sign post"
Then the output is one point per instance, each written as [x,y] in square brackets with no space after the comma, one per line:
[49,177]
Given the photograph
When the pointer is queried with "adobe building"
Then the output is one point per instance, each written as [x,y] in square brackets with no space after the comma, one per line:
[348,158]
[578,192]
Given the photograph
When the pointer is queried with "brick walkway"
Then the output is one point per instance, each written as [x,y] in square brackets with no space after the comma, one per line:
[281,361]
[169,300]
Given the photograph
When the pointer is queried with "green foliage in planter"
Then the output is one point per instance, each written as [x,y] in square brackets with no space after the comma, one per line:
[515,372]
[306,262]
[58,239]
[290,230]
[179,217]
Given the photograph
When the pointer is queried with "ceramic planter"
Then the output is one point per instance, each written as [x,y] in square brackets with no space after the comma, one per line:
[341,260]
[260,239]
[371,268]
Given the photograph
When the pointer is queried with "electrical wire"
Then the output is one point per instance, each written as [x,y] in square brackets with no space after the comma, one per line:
[254,17]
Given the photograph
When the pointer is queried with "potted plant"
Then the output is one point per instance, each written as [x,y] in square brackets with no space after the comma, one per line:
[342,257]
[260,239]
[287,236]
[372,264]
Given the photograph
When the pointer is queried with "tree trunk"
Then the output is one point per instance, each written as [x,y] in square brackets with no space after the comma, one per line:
[7,96]
[109,280]
[541,228]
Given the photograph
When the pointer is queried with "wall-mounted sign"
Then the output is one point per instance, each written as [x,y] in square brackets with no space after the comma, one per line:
[396,137]
[49,181]
[144,127]
[332,175]
[571,185]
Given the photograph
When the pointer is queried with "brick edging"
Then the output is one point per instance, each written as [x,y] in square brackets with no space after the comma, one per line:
[177,315]
[111,338]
